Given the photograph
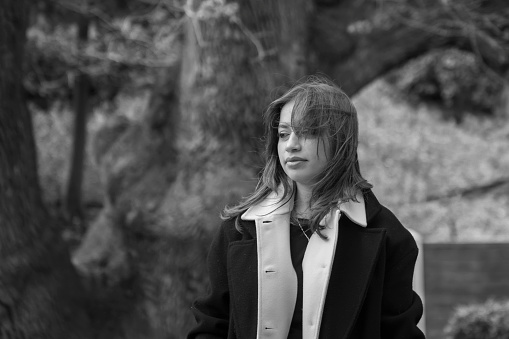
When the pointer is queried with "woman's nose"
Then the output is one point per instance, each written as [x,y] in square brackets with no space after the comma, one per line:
[293,143]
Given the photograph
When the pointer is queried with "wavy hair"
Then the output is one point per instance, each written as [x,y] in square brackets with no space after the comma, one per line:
[321,109]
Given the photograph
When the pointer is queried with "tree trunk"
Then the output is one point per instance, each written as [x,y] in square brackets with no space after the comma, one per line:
[81,88]
[232,64]
[294,17]
[39,290]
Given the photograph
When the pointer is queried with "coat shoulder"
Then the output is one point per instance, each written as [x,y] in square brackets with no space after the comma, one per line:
[229,230]
[399,240]
[235,229]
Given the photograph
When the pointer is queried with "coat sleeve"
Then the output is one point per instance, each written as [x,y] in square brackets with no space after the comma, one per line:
[212,311]
[401,306]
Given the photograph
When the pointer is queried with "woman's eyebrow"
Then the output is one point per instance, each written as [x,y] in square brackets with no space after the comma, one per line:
[283,125]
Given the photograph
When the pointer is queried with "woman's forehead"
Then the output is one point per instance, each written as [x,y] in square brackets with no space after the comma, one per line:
[287,112]
[294,112]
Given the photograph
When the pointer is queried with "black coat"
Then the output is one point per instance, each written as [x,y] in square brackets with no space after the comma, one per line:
[376,299]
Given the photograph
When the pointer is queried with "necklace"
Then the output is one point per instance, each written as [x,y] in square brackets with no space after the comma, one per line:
[302,229]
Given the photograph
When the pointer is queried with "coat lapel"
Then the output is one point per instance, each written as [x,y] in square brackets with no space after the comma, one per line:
[316,267]
[277,281]
[356,257]
[319,261]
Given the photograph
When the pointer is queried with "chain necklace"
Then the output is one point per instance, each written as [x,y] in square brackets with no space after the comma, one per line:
[301,228]
[295,216]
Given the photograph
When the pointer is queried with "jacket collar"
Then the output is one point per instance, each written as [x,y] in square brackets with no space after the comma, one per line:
[274,204]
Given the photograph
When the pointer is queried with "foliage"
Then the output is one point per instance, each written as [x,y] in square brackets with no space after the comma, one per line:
[489,320]
[409,154]
[122,53]
[452,78]
[484,25]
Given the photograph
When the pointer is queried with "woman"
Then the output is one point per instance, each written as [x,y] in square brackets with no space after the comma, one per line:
[310,253]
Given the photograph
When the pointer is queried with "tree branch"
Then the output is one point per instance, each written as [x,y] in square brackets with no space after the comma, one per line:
[470,192]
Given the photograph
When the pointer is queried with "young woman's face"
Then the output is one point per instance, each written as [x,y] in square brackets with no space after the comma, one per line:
[303,158]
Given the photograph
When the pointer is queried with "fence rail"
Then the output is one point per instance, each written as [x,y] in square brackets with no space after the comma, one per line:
[461,273]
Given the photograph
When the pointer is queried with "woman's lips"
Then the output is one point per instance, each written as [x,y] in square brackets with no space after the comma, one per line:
[294,161]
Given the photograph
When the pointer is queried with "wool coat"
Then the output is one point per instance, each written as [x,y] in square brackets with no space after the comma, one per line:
[357,283]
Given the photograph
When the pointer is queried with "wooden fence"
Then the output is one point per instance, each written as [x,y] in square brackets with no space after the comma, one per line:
[460,273]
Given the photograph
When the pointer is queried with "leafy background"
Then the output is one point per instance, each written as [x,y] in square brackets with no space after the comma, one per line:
[407,151]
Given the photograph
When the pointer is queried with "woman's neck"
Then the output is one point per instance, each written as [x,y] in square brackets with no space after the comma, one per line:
[301,207]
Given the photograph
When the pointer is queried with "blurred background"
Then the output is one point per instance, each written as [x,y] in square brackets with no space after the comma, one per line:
[127,125]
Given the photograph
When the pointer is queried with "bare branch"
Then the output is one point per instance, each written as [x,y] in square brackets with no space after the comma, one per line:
[123,61]
[471,191]
[262,53]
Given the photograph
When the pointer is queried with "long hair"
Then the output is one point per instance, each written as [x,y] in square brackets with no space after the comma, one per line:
[321,109]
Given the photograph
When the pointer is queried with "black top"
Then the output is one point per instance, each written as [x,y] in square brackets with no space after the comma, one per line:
[298,244]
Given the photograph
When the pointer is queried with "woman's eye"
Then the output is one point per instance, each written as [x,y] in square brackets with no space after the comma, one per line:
[308,133]
[283,135]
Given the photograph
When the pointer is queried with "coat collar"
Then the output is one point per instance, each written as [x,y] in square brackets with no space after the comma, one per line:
[274,204]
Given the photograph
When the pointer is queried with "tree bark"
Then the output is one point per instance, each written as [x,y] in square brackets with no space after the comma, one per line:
[294,17]
[81,89]
[39,291]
